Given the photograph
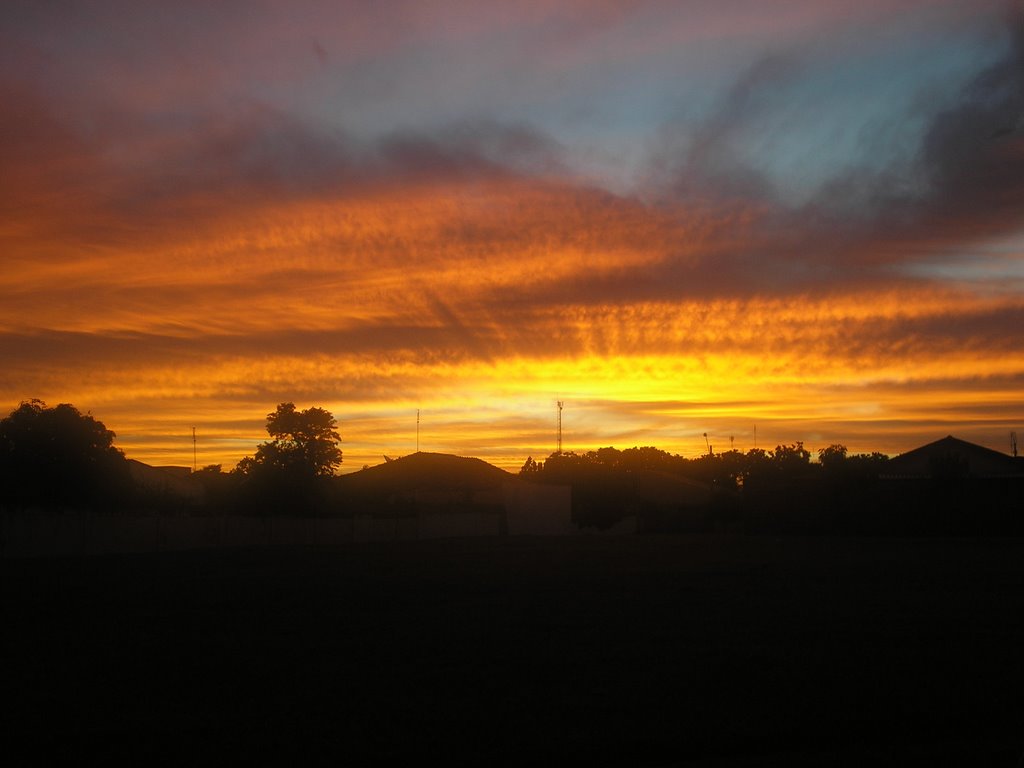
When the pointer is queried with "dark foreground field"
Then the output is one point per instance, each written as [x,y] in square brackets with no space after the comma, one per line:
[632,651]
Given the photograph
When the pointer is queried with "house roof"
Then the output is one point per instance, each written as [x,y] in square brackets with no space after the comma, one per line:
[167,479]
[665,488]
[427,471]
[956,456]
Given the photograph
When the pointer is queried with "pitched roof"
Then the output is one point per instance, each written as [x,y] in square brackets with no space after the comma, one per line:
[951,454]
[665,488]
[174,480]
[427,471]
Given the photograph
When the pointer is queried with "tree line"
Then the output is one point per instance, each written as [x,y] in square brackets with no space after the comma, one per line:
[60,458]
[778,491]
[731,470]
[744,488]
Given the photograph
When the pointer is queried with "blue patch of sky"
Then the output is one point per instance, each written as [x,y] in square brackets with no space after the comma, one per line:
[853,104]
[856,113]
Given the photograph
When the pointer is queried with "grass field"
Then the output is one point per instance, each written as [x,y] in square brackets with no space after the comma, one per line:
[643,650]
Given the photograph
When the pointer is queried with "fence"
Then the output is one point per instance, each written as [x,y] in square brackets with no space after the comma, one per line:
[41,534]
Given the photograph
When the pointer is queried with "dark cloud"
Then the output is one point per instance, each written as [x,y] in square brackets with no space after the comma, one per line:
[46,163]
[973,154]
[710,165]
[472,339]
[142,175]
[722,231]
[452,338]
[965,185]
[968,175]
[80,350]
[466,151]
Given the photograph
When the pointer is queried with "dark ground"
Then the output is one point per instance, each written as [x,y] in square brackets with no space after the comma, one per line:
[645,650]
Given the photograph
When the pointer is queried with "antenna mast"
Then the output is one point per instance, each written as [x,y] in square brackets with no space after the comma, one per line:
[417,430]
[193,449]
[560,404]
[1013,444]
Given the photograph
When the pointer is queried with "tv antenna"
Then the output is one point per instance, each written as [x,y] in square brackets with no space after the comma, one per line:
[560,405]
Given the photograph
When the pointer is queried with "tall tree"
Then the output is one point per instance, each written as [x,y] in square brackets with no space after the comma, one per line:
[304,444]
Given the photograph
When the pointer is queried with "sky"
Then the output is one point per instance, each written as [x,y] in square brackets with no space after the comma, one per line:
[768,222]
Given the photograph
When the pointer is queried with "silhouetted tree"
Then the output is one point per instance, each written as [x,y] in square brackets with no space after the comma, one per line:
[289,473]
[791,459]
[832,457]
[869,464]
[837,464]
[58,457]
[531,467]
[305,444]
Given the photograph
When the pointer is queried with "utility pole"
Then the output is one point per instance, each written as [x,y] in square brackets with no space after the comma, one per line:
[560,404]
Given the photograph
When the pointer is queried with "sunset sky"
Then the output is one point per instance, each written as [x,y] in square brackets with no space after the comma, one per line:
[677,217]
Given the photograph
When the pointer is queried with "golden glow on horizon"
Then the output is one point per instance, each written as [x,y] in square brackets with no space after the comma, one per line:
[483,307]
[502,411]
